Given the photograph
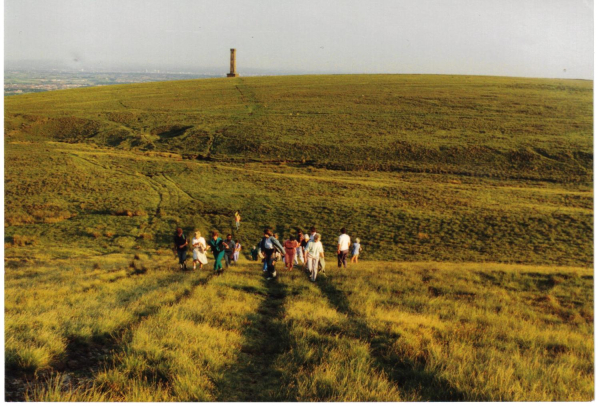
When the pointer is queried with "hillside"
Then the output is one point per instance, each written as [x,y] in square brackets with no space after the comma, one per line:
[483,126]
[472,197]
[470,168]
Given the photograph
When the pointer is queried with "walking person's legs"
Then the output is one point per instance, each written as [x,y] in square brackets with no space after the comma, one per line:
[306,261]
[342,258]
[299,255]
[268,260]
[315,269]
[182,257]
[272,271]
[218,258]
[313,266]
[309,266]
[270,264]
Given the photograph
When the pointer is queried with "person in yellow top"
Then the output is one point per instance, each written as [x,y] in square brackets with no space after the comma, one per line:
[237,218]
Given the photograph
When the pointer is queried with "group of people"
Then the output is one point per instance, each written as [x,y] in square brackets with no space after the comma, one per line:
[228,250]
[305,249]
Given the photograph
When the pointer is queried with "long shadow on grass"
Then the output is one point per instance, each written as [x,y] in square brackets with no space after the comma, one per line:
[409,375]
[85,355]
[253,376]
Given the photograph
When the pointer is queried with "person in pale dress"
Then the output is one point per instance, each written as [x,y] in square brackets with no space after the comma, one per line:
[199,246]
[314,251]
[236,252]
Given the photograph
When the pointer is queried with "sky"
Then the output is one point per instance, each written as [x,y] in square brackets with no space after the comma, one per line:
[526,38]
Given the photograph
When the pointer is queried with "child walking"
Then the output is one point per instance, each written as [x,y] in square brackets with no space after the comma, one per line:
[355,251]
[237,250]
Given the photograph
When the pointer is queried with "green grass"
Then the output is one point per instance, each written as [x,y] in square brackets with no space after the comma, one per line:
[484,126]
[57,193]
[374,332]
[472,197]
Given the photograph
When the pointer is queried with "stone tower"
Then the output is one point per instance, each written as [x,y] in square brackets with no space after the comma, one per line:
[232,73]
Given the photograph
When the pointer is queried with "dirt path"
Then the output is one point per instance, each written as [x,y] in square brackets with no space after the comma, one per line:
[254,377]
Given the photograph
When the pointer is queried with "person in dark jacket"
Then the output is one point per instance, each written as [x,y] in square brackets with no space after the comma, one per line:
[218,246]
[180,247]
[229,250]
[269,245]
[254,253]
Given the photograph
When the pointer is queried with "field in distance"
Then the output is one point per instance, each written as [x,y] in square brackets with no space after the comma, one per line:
[456,179]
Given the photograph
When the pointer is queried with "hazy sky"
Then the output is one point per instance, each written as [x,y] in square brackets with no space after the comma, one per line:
[534,38]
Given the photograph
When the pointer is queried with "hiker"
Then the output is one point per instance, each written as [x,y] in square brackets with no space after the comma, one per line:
[217,245]
[355,251]
[229,250]
[303,245]
[278,256]
[199,253]
[311,238]
[180,247]
[269,246]
[300,249]
[343,247]
[236,251]
[254,253]
[290,250]
[315,252]
[237,217]
[261,254]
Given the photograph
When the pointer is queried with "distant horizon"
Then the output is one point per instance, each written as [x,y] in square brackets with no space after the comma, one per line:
[46,66]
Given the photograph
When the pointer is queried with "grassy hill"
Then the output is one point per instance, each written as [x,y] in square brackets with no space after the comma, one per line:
[459,171]
[500,127]
[485,169]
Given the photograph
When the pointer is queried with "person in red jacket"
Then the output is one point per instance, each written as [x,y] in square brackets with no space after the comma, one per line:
[290,250]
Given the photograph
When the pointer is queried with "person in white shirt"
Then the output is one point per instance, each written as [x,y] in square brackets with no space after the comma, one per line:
[237,250]
[314,251]
[311,238]
[199,246]
[343,247]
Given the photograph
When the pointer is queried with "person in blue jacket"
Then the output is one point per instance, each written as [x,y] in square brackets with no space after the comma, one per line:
[269,246]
